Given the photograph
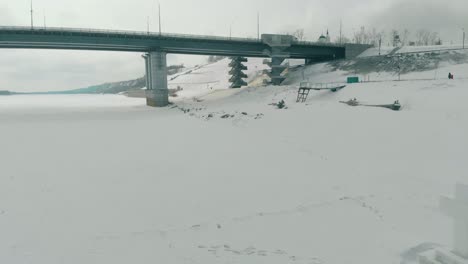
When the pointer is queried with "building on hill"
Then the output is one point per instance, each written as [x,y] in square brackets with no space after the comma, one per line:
[325,39]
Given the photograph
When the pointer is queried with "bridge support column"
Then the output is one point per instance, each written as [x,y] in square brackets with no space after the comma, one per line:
[278,54]
[237,72]
[157,93]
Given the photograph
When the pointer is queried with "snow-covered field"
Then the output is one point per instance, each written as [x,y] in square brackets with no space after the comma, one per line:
[104,179]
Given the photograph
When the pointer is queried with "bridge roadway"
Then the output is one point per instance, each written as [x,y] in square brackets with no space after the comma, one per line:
[91,39]
[157,46]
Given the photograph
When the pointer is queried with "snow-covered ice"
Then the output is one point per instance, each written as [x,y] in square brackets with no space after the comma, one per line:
[104,179]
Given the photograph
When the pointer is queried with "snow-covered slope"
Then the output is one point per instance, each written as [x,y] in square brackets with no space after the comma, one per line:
[212,77]
[230,178]
[385,50]
[428,66]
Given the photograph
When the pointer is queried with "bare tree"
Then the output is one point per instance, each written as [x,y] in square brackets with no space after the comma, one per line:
[361,37]
[433,38]
[381,37]
[371,37]
[299,34]
[405,37]
[423,37]
[396,41]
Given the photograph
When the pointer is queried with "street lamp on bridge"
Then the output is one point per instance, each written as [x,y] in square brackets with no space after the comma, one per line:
[32,16]
[463,38]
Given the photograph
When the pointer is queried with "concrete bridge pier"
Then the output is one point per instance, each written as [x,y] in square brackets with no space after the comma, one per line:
[157,93]
[278,54]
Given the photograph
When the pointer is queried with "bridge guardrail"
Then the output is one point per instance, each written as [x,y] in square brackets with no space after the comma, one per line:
[312,43]
[151,34]
[309,85]
[122,32]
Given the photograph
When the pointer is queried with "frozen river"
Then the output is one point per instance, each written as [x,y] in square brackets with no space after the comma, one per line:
[104,179]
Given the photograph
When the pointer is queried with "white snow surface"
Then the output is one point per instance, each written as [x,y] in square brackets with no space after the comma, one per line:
[386,50]
[215,76]
[409,49]
[105,179]
[376,51]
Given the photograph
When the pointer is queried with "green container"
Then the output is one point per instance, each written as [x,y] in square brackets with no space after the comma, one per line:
[353,79]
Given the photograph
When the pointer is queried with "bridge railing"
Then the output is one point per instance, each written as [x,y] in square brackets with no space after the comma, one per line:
[130,33]
[316,43]
[120,32]
[331,85]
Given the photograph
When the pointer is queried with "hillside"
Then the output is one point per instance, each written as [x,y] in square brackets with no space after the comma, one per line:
[119,87]
[109,88]
[410,66]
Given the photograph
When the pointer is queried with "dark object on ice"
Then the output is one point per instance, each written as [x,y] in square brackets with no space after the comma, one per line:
[351,102]
[244,113]
[305,88]
[335,89]
[451,76]
[396,106]
[226,116]
[281,104]
[219,226]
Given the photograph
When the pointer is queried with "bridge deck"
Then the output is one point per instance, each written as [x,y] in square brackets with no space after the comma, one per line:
[133,41]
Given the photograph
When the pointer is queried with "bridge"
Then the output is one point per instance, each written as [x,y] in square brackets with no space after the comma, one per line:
[156,46]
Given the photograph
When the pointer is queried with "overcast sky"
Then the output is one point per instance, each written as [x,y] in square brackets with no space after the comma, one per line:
[39,70]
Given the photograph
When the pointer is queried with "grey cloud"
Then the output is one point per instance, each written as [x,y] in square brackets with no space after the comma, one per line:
[445,17]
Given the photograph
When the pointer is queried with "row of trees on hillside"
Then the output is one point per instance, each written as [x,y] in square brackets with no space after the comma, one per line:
[394,37]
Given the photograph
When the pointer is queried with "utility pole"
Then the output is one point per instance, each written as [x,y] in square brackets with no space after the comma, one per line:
[32,17]
[399,67]
[463,38]
[148,25]
[258,25]
[341,31]
[159,11]
[380,45]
